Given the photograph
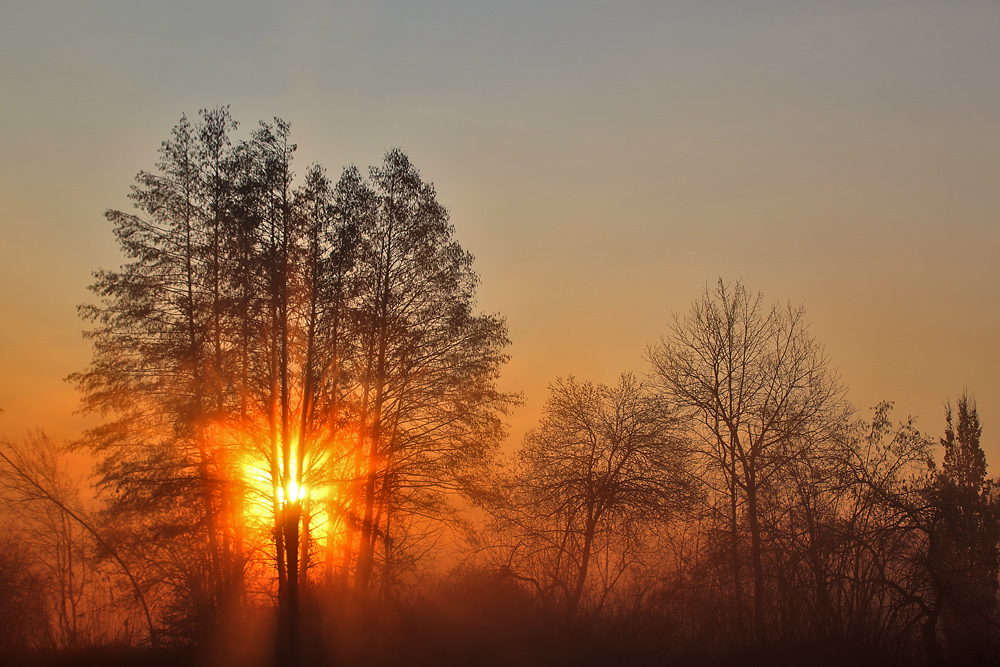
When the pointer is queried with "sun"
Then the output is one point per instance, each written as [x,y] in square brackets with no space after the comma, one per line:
[295,492]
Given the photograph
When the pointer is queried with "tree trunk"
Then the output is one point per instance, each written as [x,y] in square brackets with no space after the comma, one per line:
[581,579]
[760,634]
[366,548]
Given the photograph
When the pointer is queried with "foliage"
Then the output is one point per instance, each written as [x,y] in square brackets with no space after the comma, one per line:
[963,530]
[294,386]
[293,378]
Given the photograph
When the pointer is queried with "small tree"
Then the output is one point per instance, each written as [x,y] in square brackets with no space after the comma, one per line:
[603,465]
[63,549]
[876,571]
[963,532]
[926,539]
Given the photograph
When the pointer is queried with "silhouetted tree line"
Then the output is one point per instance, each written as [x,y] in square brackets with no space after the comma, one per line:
[735,500]
[299,417]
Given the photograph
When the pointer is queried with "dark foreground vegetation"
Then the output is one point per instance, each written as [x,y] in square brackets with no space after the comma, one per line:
[498,627]
[298,462]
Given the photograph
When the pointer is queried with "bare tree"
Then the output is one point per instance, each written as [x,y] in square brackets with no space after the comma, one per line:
[43,500]
[604,464]
[760,389]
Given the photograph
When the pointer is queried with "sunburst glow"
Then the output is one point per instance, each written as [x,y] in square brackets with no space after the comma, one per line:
[295,492]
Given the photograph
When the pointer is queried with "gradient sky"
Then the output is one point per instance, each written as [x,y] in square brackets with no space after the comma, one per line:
[603,161]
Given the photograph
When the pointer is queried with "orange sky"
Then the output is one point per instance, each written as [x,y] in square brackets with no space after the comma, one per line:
[603,166]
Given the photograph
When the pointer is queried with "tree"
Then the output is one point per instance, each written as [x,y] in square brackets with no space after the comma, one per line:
[604,464]
[963,530]
[919,544]
[273,358]
[160,369]
[61,542]
[876,580]
[760,390]
[428,405]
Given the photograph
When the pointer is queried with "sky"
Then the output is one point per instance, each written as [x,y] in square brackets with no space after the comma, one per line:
[604,162]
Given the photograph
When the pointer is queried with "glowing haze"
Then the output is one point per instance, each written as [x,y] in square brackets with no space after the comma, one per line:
[603,161]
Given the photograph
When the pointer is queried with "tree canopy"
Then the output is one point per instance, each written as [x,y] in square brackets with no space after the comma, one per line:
[293,377]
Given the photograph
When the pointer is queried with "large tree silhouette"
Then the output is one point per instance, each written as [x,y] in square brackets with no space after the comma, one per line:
[309,353]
